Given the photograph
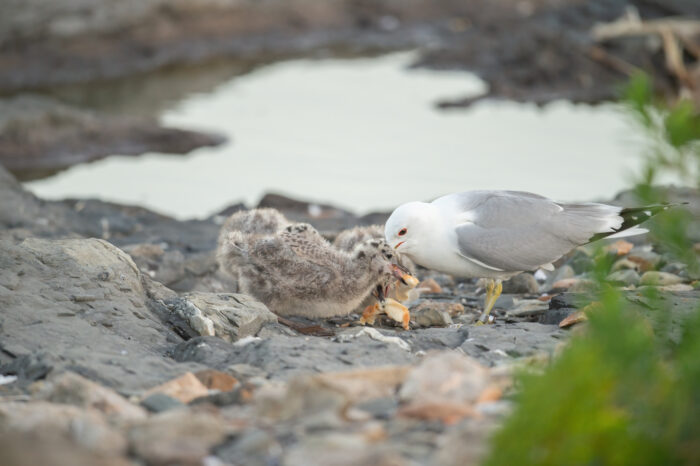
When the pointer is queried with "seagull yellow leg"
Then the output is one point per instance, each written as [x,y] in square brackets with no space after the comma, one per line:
[493,291]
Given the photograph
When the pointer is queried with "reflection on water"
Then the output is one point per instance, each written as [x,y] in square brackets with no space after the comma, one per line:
[363,134]
[151,94]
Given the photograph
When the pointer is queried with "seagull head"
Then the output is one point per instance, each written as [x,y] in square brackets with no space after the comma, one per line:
[407,225]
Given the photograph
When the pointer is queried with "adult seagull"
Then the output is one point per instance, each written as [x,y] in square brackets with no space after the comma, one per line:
[498,234]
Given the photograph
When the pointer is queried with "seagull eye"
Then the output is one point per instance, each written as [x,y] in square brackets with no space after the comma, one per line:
[402,232]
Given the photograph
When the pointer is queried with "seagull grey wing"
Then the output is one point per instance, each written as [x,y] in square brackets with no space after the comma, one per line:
[512,231]
[508,250]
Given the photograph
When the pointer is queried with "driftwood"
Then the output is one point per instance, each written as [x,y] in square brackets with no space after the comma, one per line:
[677,35]
[632,25]
[604,57]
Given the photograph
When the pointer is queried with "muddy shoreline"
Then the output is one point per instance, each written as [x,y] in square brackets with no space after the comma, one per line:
[517,47]
[85,54]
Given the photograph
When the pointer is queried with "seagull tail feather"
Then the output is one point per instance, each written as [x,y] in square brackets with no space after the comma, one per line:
[634,231]
[633,216]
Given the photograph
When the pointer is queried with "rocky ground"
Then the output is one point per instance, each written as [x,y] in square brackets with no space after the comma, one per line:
[40,136]
[81,41]
[121,343]
[526,50]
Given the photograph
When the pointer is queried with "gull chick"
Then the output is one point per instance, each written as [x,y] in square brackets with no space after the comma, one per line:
[400,290]
[498,234]
[296,272]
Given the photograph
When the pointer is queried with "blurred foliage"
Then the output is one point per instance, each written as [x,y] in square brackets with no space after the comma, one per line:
[626,389]
[619,394]
[673,133]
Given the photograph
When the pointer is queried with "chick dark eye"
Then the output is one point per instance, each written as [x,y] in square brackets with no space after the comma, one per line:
[402,232]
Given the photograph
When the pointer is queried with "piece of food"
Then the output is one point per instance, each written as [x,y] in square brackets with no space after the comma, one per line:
[405,283]
[404,276]
[398,312]
[392,308]
[369,314]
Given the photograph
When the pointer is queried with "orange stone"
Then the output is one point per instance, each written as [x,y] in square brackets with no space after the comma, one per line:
[573,319]
[429,286]
[445,411]
[490,393]
[216,380]
[185,388]
[566,283]
[620,247]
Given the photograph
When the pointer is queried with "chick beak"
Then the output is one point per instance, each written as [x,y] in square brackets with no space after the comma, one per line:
[400,272]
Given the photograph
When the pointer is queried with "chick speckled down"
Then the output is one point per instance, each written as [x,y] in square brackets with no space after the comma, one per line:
[295,271]
[348,239]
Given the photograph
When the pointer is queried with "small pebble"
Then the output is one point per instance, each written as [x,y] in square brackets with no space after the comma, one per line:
[675,268]
[524,283]
[625,276]
[677,287]
[429,286]
[431,316]
[647,259]
[566,283]
[159,402]
[625,264]
[659,278]
[620,247]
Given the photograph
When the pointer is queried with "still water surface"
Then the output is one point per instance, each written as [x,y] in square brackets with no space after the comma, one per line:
[362,134]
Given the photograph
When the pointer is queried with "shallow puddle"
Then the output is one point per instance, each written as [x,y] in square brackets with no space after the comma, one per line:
[363,134]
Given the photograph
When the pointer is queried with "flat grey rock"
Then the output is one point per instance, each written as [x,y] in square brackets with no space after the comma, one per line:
[159,402]
[436,338]
[82,305]
[284,356]
[498,343]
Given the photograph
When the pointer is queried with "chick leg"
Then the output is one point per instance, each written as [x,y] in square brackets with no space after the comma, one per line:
[493,291]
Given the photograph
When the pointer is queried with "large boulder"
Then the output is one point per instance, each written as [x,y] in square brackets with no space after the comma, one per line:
[83,305]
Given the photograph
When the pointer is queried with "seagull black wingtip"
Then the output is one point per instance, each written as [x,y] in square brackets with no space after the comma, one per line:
[633,216]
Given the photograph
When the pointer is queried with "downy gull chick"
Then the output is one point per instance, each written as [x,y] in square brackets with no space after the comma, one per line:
[292,269]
